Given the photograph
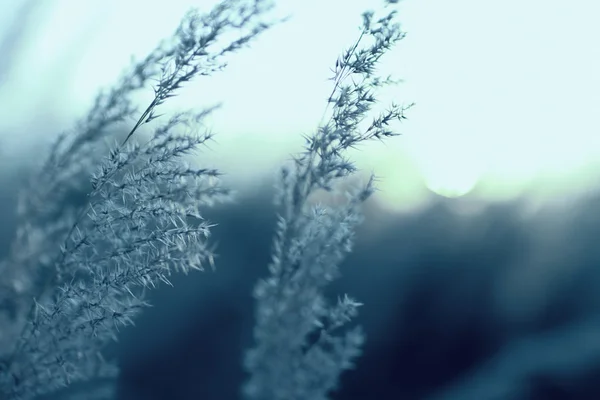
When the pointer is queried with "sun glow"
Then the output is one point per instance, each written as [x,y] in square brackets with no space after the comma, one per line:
[453,174]
[448,184]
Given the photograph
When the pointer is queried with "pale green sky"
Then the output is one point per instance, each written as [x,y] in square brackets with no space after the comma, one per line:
[507,92]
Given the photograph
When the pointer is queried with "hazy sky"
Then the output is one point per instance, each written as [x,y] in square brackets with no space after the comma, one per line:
[507,92]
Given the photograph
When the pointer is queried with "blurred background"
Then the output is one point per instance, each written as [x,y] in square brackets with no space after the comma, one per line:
[477,262]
